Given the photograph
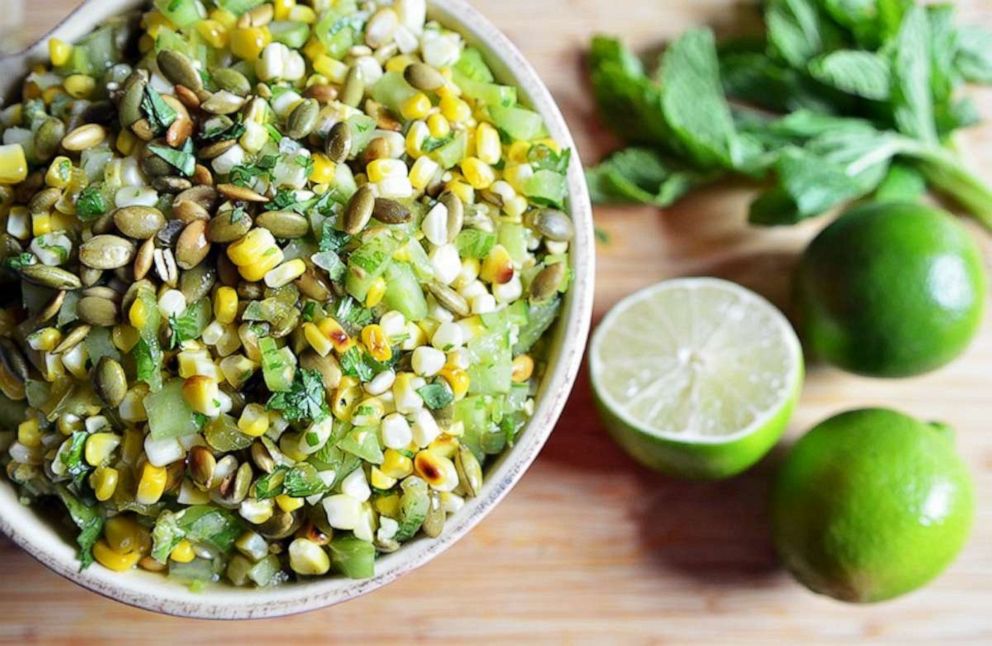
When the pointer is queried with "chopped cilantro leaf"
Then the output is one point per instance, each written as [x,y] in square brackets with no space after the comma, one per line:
[436,395]
[304,401]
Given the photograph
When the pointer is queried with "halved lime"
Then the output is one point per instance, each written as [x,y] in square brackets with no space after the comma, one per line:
[696,377]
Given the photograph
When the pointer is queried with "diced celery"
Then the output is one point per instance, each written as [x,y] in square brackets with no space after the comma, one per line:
[490,364]
[452,152]
[487,93]
[392,90]
[403,292]
[278,365]
[265,571]
[363,442]
[419,260]
[540,316]
[367,263]
[513,237]
[290,33]
[472,66]
[168,413]
[519,123]
[353,557]
[237,7]
[475,413]
[511,315]
[101,50]
[183,13]
[336,29]
[547,187]
[474,243]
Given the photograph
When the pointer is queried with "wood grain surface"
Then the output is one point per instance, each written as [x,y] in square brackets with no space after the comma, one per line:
[590,548]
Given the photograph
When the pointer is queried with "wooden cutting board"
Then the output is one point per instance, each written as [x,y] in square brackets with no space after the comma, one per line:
[590,547]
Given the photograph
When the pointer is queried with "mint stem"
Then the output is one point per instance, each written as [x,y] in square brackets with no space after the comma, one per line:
[946,172]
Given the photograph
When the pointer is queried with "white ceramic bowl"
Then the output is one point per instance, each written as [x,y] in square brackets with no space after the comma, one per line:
[156,592]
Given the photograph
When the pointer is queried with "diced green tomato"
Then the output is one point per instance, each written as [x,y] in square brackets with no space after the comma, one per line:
[472,65]
[511,315]
[335,30]
[183,13]
[290,33]
[214,526]
[263,572]
[363,442]
[540,317]
[414,504]
[452,152]
[490,364]
[237,7]
[419,260]
[278,365]
[99,344]
[367,263]
[344,184]
[488,93]
[547,187]
[222,434]
[519,123]
[392,90]
[403,292]
[168,413]
[198,570]
[474,243]
[79,62]
[362,130]
[353,557]
[101,50]
[513,237]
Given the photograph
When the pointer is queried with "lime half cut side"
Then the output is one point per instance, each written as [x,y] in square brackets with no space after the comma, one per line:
[696,377]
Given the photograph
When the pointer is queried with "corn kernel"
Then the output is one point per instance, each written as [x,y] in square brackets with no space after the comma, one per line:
[151,485]
[376,342]
[488,147]
[254,420]
[333,69]
[376,292]
[59,172]
[201,394]
[213,32]
[333,331]
[438,471]
[183,552]
[445,445]
[226,305]
[247,43]
[518,152]
[416,107]
[381,169]
[124,535]
[281,9]
[104,481]
[304,14]
[285,273]
[99,447]
[29,434]
[288,504]
[368,412]
[380,480]
[455,110]
[422,172]
[462,190]
[345,398]
[13,164]
[41,223]
[438,126]
[125,337]
[395,464]
[497,268]
[314,49]
[478,173]
[112,560]
[457,379]
[388,506]
[224,17]
[79,86]
[399,63]
[59,51]
[523,368]
[323,169]
[252,247]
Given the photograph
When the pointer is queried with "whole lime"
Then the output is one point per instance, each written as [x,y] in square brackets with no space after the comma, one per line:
[871,504]
[891,290]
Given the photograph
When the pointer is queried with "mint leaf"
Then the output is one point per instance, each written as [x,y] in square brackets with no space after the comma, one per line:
[182,160]
[641,175]
[861,73]
[912,98]
[973,58]
[159,113]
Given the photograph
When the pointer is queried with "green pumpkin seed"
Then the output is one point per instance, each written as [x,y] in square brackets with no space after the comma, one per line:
[281,525]
[232,80]
[44,201]
[139,222]
[469,471]
[171,185]
[110,382]
[303,119]
[197,282]
[456,214]
[548,281]
[202,464]
[179,69]
[97,311]
[90,276]
[262,458]
[205,196]
[52,307]
[84,137]
[106,252]
[284,224]
[354,88]
[449,299]
[13,360]
[390,211]
[554,225]
[216,149]
[129,106]
[228,226]
[48,137]
[240,193]
[339,142]
[359,210]
[223,102]
[72,339]
[423,77]
[192,246]
[155,166]
[434,520]
[187,211]
[53,277]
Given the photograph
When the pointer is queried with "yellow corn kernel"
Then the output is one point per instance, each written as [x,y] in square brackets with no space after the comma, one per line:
[29,433]
[124,535]
[455,110]
[314,49]
[247,43]
[416,107]
[99,447]
[549,143]
[422,172]
[380,480]
[317,339]
[302,13]
[79,86]
[59,51]
[445,445]
[395,464]
[45,339]
[201,394]
[155,20]
[138,314]
[133,444]
[125,337]
[518,152]
[323,169]
[151,485]
[462,190]
[225,305]
[438,126]
[388,506]
[457,379]
[183,552]
[376,342]
[281,9]
[59,172]
[251,247]
[377,290]
[13,164]
[332,68]
[438,471]
[516,206]
[333,331]
[112,560]
[266,263]
[283,274]
[488,147]
[522,368]
[345,397]
[213,32]
[288,504]
[254,420]
[399,63]
[478,173]
[104,481]
[497,268]
[224,17]
[381,169]
[52,93]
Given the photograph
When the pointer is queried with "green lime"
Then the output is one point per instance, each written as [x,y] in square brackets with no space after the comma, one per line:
[871,504]
[891,290]
[696,377]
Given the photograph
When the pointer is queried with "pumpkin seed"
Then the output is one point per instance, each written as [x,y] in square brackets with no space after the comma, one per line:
[192,246]
[223,102]
[188,97]
[434,520]
[179,132]
[129,106]
[139,222]
[102,291]
[423,77]
[303,119]
[232,81]
[228,226]
[205,196]
[322,93]
[53,277]
[90,276]
[262,458]
[143,130]
[554,225]
[197,282]
[13,360]
[167,235]
[171,184]
[339,142]
[44,201]
[179,69]
[354,88]
[84,137]
[106,252]
[240,193]
[456,214]
[378,148]
[97,311]
[359,210]
[548,281]
[281,525]
[110,382]
[284,224]
[312,285]
[216,149]
[449,299]
[202,464]
[47,138]
[52,307]
[469,471]
[390,211]
[155,166]
[72,339]
[187,211]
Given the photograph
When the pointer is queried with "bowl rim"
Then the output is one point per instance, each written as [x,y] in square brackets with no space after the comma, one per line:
[151,591]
